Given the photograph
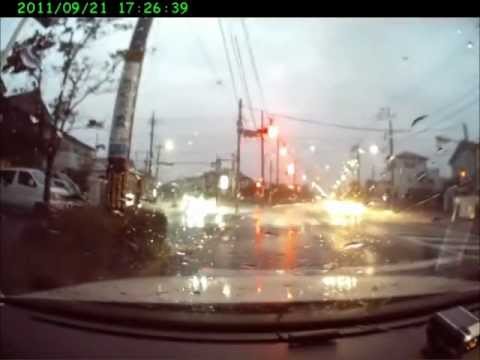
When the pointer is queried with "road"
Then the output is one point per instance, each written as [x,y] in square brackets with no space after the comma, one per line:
[303,239]
[313,238]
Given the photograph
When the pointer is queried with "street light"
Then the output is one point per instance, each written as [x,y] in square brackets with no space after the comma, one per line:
[169,145]
[373,149]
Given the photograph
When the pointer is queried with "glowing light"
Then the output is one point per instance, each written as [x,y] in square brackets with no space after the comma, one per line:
[463,173]
[272,131]
[312,148]
[373,149]
[258,184]
[226,290]
[361,151]
[223,183]
[342,212]
[343,177]
[304,177]
[169,145]
[327,167]
[129,199]
[291,169]
[283,151]
[154,192]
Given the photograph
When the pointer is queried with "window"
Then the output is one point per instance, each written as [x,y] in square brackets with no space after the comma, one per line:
[59,184]
[6,177]
[24,178]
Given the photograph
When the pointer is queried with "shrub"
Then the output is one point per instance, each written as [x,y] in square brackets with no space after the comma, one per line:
[86,244]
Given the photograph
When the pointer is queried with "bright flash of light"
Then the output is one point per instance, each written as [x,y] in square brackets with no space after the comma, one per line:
[223,182]
[343,212]
[272,131]
[373,149]
[291,169]
[169,145]
[196,209]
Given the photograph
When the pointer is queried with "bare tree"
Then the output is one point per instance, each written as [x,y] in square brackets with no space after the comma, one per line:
[79,74]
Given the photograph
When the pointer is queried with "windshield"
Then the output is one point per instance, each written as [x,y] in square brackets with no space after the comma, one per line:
[242,160]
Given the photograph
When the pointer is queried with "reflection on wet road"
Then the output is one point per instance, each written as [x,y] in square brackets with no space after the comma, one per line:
[307,238]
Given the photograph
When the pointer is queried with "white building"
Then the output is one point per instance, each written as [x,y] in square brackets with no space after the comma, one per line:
[410,172]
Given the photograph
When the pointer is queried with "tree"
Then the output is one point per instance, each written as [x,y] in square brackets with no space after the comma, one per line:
[79,75]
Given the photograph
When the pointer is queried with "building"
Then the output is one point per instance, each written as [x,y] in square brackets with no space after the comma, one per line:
[74,155]
[26,126]
[411,175]
[465,162]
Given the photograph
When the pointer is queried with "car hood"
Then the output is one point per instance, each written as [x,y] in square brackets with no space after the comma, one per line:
[250,287]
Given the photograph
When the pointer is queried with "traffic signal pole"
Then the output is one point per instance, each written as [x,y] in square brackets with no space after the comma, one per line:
[237,168]
[262,149]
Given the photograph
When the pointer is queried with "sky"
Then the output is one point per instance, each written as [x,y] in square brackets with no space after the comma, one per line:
[339,71]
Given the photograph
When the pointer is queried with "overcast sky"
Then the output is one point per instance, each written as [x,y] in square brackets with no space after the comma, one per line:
[328,70]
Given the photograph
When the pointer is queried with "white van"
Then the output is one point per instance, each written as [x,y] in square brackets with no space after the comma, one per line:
[22,188]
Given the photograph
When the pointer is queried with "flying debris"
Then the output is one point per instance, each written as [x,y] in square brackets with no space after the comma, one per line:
[418,119]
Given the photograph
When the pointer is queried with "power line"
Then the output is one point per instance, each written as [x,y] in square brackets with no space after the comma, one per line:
[244,78]
[449,116]
[328,124]
[254,64]
[227,56]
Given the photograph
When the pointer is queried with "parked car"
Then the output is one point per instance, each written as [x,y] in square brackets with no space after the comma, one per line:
[22,189]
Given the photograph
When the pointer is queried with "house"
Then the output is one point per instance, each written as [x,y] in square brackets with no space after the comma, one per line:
[465,162]
[410,174]
[25,127]
[74,155]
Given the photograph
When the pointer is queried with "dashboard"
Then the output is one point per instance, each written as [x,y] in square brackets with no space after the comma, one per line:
[26,333]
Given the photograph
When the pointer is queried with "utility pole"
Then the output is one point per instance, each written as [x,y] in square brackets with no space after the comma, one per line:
[359,165]
[278,160]
[123,116]
[386,114]
[271,172]
[465,131]
[390,135]
[262,149]
[237,169]
[157,162]
[150,153]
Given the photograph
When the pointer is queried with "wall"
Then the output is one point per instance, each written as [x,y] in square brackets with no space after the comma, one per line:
[405,175]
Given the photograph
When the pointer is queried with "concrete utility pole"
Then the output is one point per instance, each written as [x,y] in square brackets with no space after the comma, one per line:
[237,169]
[123,116]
